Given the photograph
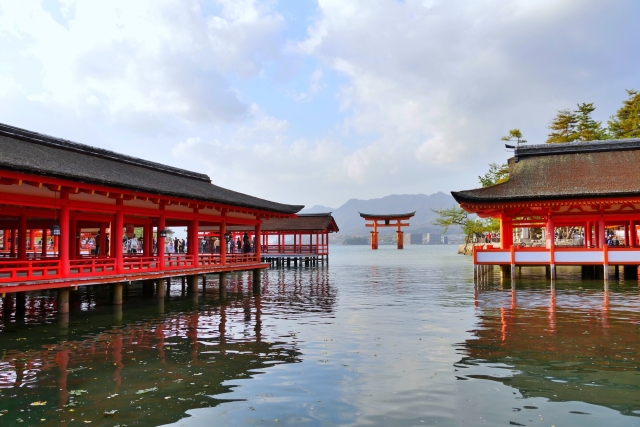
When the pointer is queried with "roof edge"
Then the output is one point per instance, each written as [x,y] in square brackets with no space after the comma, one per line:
[409,214]
[460,198]
[577,147]
[63,144]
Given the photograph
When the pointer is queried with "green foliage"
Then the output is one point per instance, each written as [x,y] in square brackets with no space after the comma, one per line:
[514,135]
[588,129]
[453,216]
[626,122]
[355,240]
[496,175]
[563,127]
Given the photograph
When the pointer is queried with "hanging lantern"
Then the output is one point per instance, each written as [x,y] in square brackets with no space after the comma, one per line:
[55,230]
[129,231]
[162,233]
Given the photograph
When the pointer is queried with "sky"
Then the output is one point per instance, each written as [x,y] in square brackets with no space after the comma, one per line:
[314,101]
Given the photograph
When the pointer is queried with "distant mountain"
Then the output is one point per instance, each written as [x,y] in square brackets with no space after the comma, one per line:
[317,209]
[350,222]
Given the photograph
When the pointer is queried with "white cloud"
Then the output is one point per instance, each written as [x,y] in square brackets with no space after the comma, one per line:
[424,89]
[140,60]
[434,85]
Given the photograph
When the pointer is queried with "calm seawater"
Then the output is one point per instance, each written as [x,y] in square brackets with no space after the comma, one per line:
[387,337]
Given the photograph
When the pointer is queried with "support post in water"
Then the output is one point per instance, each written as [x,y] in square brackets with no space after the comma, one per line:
[116,294]
[223,285]
[256,280]
[160,288]
[63,300]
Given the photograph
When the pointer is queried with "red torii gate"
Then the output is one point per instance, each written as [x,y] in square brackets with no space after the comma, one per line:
[387,219]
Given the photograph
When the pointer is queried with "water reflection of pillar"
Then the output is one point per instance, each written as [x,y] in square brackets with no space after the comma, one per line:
[247,309]
[62,359]
[475,296]
[552,312]
[18,368]
[223,327]
[116,356]
[192,334]
[258,328]
[605,312]
[160,345]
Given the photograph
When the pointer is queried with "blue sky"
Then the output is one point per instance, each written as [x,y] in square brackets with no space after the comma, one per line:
[313,101]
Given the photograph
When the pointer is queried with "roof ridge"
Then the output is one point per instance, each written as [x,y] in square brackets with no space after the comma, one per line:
[64,144]
[577,147]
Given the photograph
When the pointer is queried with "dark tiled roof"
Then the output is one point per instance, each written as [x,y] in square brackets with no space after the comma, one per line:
[34,153]
[387,216]
[574,170]
[304,222]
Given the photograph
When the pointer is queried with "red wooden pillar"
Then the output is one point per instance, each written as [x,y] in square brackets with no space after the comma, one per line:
[63,240]
[22,236]
[632,235]
[587,234]
[5,239]
[117,233]
[601,232]
[258,236]
[192,237]
[627,232]
[45,240]
[224,246]
[102,241]
[147,239]
[73,242]
[32,236]
[160,242]
[13,242]
[550,232]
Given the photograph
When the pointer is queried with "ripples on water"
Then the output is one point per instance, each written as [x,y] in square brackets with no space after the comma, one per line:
[377,338]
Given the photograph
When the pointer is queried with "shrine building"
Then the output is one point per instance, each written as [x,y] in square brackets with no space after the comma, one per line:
[593,187]
[69,213]
[303,239]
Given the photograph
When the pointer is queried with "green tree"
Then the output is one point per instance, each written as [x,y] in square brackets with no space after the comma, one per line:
[514,135]
[496,175]
[456,216]
[563,127]
[626,122]
[588,129]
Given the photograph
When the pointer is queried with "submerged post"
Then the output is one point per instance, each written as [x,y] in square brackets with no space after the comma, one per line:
[116,294]
[63,300]
[256,280]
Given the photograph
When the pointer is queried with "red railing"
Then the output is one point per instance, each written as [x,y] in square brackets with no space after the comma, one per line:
[177,261]
[94,266]
[148,263]
[85,266]
[11,271]
[241,258]
[315,249]
[208,259]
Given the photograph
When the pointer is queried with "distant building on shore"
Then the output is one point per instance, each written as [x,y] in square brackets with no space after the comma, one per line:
[414,238]
[433,239]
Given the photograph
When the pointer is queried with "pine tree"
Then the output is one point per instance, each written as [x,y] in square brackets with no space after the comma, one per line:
[514,135]
[588,129]
[496,175]
[563,127]
[626,122]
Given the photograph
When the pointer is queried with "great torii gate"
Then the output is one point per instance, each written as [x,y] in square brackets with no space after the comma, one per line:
[386,221]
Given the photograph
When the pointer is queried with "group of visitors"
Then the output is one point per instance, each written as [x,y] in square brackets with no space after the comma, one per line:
[491,237]
[177,246]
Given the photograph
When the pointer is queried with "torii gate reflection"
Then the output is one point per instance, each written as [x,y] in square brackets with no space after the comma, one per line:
[386,222]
